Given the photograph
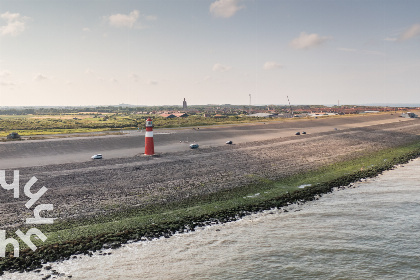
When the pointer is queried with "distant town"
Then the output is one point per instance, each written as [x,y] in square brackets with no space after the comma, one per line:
[210,110]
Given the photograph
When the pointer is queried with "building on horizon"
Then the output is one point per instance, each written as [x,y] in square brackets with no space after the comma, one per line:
[184,105]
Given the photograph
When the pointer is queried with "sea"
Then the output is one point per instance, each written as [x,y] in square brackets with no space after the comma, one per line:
[368,230]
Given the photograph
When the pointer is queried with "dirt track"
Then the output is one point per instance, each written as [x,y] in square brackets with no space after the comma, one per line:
[95,187]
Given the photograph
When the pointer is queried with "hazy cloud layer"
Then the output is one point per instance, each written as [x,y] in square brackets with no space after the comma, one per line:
[15,24]
[306,41]
[225,8]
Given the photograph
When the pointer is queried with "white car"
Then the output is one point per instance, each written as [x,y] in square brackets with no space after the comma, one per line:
[98,156]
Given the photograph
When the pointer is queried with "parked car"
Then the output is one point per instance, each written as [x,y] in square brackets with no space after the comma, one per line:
[297,133]
[194,146]
[304,132]
[229,142]
[98,156]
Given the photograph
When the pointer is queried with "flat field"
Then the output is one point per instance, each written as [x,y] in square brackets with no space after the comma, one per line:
[36,125]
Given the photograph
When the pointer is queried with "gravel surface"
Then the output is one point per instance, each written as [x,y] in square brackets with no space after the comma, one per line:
[102,186]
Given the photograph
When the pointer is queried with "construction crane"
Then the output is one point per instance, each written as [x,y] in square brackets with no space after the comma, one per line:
[249,103]
[290,106]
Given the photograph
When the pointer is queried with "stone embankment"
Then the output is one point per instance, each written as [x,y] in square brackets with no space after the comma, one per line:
[103,186]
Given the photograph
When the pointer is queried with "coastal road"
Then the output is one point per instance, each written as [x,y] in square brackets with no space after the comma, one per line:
[79,149]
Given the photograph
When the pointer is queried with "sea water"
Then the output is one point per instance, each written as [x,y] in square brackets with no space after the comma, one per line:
[370,230]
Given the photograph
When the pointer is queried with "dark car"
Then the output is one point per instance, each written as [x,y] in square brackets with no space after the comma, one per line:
[297,133]
[304,132]
[229,142]
[194,146]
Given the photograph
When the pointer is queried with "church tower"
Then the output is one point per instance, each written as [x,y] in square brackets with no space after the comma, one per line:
[184,105]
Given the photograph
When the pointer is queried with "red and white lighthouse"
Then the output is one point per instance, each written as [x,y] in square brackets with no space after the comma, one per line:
[149,146]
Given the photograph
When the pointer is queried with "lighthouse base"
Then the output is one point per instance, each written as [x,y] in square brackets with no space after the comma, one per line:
[149,148]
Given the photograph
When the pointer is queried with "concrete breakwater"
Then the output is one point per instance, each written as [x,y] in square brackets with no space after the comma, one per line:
[32,260]
[196,187]
[368,230]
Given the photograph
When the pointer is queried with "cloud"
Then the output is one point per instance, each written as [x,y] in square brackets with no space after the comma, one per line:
[221,68]
[151,17]
[7,84]
[86,29]
[15,24]
[5,73]
[225,8]
[347,50]
[152,82]
[40,77]
[372,52]
[134,77]
[122,20]
[5,79]
[361,51]
[270,65]
[89,71]
[306,41]
[203,80]
[411,32]
[390,39]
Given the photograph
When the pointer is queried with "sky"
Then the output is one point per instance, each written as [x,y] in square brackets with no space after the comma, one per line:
[158,52]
